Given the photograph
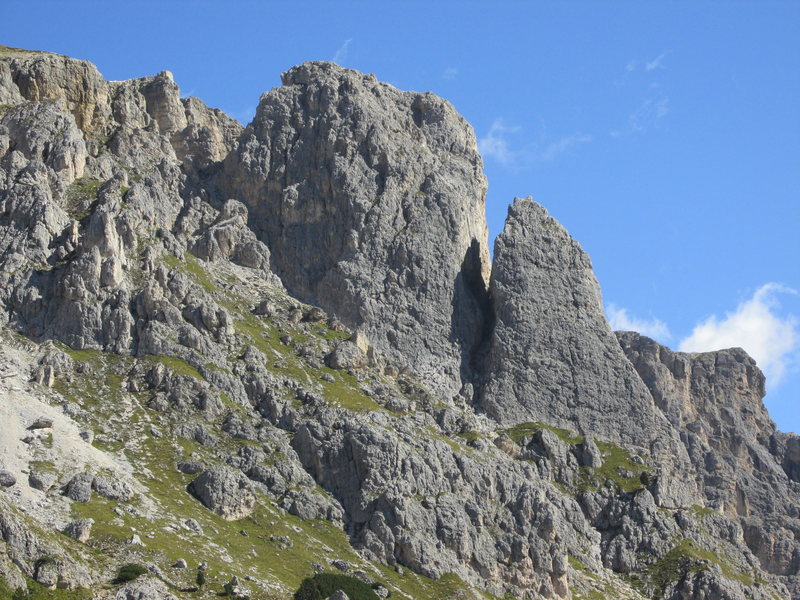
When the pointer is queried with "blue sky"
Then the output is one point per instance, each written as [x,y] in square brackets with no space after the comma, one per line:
[664,135]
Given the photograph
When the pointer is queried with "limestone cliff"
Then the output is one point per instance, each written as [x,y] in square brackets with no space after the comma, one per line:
[277,351]
[371,201]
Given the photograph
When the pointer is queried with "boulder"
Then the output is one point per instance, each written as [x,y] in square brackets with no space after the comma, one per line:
[80,530]
[79,488]
[346,356]
[7,478]
[224,491]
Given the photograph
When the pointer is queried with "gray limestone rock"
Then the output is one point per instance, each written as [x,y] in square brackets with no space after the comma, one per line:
[7,479]
[79,488]
[347,356]
[112,488]
[41,480]
[552,355]
[144,588]
[371,201]
[80,530]
[42,422]
[714,399]
[225,491]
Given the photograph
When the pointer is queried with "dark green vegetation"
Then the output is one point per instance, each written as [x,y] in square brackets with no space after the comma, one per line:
[129,572]
[322,585]
[81,195]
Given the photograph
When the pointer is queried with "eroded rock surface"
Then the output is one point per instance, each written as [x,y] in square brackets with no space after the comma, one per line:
[372,203]
[714,400]
[155,259]
[552,354]
[224,491]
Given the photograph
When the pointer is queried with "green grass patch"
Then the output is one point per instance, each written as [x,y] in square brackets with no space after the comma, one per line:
[36,591]
[684,557]
[193,267]
[618,467]
[81,195]
[177,365]
[702,511]
[344,392]
[518,432]
[469,436]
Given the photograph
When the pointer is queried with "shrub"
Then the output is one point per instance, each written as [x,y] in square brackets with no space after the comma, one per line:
[129,572]
[322,585]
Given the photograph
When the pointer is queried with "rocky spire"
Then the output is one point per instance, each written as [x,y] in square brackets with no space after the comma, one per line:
[552,355]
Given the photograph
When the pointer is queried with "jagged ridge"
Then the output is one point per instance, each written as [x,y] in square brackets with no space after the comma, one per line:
[160,231]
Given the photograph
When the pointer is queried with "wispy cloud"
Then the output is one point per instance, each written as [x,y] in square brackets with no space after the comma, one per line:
[648,114]
[450,73]
[647,65]
[558,147]
[771,339]
[495,143]
[619,319]
[341,53]
[657,62]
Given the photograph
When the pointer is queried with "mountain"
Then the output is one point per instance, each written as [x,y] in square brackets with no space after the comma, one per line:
[276,361]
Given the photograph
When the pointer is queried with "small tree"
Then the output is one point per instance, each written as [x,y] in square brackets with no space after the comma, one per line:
[201,577]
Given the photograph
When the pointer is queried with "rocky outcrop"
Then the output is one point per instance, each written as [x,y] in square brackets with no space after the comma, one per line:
[552,356]
[714,401]
[144,588]
[147,245]
[89,169]
[371,201]
[224,491]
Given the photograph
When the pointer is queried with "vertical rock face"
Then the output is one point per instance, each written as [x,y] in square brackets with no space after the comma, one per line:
[372,203]
[552,355]
[744,466]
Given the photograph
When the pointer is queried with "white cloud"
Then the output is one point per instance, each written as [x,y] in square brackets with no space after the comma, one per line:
[657,62]
[495,143]
[564,144]
[648,114]
[341,53]
[771,339]
[620,320]
[450,73]
[648,65]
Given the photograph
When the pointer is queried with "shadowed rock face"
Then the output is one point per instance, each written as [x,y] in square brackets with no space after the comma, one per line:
[552,355]
[744,466]
[372,202]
